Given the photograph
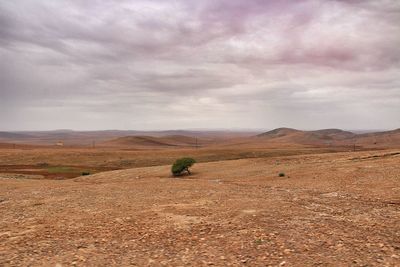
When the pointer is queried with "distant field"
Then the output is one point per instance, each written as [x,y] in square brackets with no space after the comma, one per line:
[62,163]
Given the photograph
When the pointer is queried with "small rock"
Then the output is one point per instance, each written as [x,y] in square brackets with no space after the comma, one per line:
[332,194]
[287,251]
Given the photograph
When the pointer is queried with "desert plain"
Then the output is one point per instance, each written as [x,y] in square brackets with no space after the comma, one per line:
[336,202]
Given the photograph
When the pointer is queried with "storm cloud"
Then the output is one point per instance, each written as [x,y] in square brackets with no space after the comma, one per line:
[185,64]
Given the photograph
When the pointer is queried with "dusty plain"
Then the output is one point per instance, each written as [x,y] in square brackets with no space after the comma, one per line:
[333,207]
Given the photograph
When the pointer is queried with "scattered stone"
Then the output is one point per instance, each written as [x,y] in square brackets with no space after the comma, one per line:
[287,251]
[332,194]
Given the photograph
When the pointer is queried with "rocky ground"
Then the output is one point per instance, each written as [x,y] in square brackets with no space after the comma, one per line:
[338,209]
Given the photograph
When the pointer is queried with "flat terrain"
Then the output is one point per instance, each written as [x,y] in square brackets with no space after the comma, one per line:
[70,162]
[331,209]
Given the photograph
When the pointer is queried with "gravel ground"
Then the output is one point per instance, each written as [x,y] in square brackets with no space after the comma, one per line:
[339,209]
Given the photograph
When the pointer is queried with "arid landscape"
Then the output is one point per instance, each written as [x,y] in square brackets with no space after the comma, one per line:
[281,198]
[200,133]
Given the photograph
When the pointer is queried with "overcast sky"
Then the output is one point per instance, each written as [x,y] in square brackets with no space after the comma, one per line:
[157,64]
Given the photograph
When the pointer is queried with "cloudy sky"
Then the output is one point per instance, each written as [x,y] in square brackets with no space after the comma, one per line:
[180,64]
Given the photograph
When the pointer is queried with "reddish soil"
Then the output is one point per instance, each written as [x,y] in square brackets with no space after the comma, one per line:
[337,209]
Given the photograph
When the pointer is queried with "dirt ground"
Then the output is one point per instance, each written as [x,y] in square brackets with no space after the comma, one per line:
[116,158]
[335,209]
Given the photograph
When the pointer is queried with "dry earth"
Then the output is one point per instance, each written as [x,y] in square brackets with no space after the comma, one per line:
[338,209]
[37,160]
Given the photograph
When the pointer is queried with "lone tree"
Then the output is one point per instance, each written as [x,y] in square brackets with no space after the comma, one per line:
[182,165]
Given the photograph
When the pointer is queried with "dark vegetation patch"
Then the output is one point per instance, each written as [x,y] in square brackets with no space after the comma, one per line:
[182,165]
[52,172]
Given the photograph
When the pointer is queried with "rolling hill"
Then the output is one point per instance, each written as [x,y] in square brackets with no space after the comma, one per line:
[386,139]
[144,141]
[86,138]
[12,135]
[318,137]
[279,137]
[331,137]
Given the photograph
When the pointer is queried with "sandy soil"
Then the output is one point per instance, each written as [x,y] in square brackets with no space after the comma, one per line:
[339,209]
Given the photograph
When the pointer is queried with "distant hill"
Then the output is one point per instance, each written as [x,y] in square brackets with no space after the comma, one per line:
[11,135]
[318,137]
[151,141]
[279,132]
[387,138]
[332,137]
[86,138]
[281,137]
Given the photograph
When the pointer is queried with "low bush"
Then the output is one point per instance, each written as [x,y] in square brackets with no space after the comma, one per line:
[182,165]
[281,174]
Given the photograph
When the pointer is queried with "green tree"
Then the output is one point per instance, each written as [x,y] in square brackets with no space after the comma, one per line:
[182,165]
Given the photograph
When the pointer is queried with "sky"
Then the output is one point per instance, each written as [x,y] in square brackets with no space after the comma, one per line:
[189,64]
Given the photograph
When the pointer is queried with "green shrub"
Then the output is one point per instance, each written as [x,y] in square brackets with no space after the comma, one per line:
[182,165]
[61,169]
[85,173]
[281,174]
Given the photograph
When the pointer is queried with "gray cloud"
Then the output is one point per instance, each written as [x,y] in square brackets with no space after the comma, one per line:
[188,64]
